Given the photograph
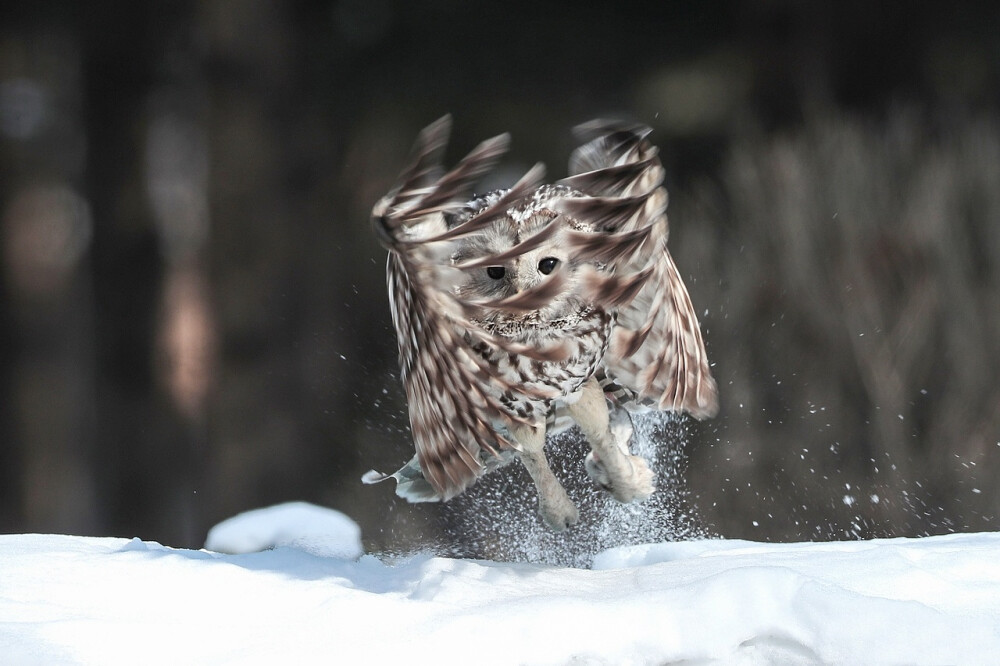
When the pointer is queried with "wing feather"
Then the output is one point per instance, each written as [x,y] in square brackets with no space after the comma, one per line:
[657,350]
[452,418]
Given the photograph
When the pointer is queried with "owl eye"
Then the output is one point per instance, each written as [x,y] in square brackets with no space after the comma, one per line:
[496,272]
[547,265]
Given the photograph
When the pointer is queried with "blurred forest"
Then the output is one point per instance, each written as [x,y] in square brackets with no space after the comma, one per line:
[193,318]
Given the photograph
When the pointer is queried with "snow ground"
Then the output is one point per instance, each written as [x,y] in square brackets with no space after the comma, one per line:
[309,600]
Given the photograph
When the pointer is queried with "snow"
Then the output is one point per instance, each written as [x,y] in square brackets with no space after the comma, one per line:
[309,599]
[314,529]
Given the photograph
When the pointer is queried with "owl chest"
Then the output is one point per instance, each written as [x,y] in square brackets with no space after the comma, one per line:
[519,380]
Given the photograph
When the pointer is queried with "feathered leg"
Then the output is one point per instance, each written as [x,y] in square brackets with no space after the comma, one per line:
[554,505]
[627,477]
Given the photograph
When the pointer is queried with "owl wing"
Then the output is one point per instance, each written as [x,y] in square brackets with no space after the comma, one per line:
[451,391]
[656,351]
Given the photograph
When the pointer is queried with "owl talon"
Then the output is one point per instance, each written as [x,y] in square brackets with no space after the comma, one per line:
[634,482]
[597,471]
[558,513]
[638,486]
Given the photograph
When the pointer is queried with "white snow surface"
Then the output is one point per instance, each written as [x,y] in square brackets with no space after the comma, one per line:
[86,600]
[308,527]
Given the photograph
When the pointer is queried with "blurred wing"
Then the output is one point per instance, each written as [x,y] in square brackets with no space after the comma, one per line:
[656,350]
[452,414]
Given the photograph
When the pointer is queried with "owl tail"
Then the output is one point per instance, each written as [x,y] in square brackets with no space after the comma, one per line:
[410,482]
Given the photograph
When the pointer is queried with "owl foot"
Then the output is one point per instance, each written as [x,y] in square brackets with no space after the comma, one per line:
[557,511]
[630,481]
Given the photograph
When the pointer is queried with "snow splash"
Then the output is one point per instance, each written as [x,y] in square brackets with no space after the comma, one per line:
[497,519]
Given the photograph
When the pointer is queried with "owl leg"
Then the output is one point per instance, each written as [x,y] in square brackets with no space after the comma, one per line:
[627,477]
[554,505]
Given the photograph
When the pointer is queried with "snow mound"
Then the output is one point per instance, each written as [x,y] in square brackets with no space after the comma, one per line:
[79,600]
[313,529]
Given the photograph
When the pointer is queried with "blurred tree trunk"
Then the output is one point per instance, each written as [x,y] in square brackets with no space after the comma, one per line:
[45,226]
[139,453]
[256,439]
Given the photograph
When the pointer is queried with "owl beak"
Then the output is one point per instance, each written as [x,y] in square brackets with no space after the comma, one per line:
[518,281]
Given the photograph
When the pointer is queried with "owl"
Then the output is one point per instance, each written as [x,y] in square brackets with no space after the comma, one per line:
[527,310]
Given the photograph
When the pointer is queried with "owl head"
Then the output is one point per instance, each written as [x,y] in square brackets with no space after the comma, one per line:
[519,254]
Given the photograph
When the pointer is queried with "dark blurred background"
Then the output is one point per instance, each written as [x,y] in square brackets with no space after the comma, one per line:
[193,319]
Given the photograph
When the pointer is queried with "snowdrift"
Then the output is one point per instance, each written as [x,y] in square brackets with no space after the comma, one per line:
[310,600]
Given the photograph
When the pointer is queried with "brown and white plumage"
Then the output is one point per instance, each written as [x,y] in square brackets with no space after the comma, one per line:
[512,306]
